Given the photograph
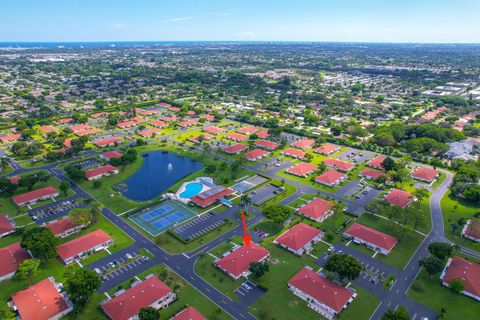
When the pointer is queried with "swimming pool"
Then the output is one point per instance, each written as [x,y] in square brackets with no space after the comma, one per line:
[191,189]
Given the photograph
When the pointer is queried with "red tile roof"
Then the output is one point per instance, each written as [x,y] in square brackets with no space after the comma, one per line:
[64,120]
[80,127]
[164,104]
[129,303]
[467,271]
[206,136]
[204,201]
[213,130]
[316,209]
[373,174]
[188,314]
[326,148]
[112,154]
[472,230]
[158,123]
[330,177]
[47,129]
[86,242]
[379,239]
[332,295]
[235,148]
[5,225]
[11,137]
[40,301]
[60,226]
[169,119]
[188,123]
[298,236]
[68,142]
[107,142]
[304,143]
[34,195]
[302,169]
[376,162]
[248,130]
[127,124]
[263,134]
[254,154]
[399,198]
[294,153]
[98,114]
[236,137]
[238,261]
[11,257]
[86,132]
[267,144]
[149,112]
[149,132]
[209,117]
[340,165]
[99,171]
[425,174]
[14,179]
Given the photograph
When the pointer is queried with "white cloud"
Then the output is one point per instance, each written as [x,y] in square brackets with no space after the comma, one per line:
[224,14]
[178,19]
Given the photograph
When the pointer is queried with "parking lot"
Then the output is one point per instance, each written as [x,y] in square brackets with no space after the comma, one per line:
[356,156]
[117,267]
[249,292]
[350,188]
[199,226]
[55,210]
[87,164]
[263,194]
[366,195]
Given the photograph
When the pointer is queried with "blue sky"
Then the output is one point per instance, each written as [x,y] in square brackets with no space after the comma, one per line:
[281,20]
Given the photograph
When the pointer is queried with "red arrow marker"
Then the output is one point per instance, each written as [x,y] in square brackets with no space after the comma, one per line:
[246,238]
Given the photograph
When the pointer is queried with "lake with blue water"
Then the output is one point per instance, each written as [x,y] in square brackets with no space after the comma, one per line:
[159,171]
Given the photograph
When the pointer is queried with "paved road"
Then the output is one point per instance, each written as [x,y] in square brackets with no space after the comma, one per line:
[397,295]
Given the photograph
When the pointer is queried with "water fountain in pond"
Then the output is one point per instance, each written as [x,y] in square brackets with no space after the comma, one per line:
[170,167]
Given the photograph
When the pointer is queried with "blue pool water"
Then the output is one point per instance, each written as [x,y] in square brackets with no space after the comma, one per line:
[191,189]
[159,171]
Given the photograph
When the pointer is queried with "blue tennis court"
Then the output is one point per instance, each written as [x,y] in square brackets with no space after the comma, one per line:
[162,217]
[156,212]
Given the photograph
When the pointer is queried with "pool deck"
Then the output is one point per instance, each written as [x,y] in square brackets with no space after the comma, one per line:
[183,188]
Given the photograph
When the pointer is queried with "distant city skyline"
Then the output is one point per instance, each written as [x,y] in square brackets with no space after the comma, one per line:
[407,21]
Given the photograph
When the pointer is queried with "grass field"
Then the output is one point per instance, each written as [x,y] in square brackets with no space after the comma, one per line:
[453,210]
[405,247]
[428,291]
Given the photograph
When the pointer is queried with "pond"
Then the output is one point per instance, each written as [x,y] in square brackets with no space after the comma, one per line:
[159,171]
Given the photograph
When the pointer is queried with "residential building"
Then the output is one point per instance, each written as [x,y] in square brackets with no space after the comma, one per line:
[235,148]
[44,300]
[317,209]
[97,173]
[376,162]
[7,225]
[150,292]
[322,295]
[425,174]
[371,238]
[471,230]
[11,256]
[302,169]
[399,198]
[466,271]
[35,196]
[189,313]
[294,153]
[83,246]
[236,263]
[338,165]
[299,239]
[331,178]
[256,154]
[64,227]
[326,149]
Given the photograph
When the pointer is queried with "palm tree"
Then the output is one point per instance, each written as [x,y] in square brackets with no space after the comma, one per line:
[245,202]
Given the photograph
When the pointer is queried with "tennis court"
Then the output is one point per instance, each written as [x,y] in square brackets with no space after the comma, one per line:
[162,217]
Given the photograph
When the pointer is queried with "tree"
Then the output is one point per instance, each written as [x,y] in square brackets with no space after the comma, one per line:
[40,242]
[345,266]
[80,217]
[456,285]
[245,202]
[389,164]
[440,250]
[80,284]
[432,265]
[149,313]
[64,186]
[258,269]
[96,184]
[278,212]
[74,172]
[27,269]
[399,314]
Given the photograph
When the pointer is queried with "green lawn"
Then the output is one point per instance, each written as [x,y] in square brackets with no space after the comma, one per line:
[405,247]
[428,291]
[453,210]
[7,206]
